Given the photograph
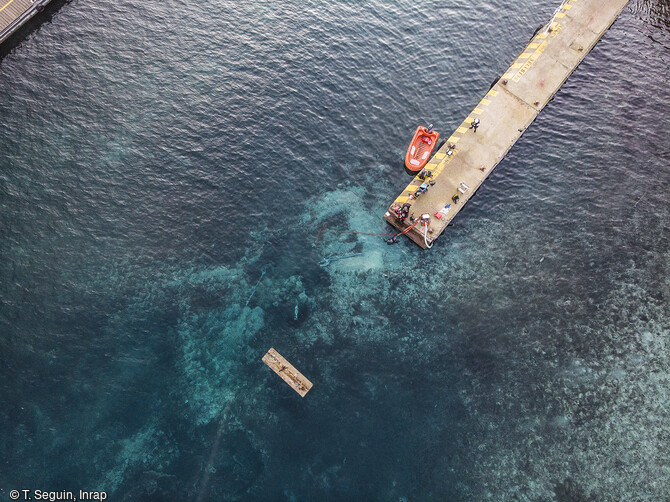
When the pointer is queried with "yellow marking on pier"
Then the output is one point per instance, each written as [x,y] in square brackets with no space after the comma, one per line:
[6,5]
[521,93]
[15,13]
[538,52]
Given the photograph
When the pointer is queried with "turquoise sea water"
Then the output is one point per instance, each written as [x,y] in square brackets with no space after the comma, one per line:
[172,174]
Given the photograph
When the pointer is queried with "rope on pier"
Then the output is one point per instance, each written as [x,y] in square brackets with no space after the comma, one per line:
[553,16]
[425,237]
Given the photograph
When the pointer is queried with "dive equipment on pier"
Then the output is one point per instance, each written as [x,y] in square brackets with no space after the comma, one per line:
[481,141]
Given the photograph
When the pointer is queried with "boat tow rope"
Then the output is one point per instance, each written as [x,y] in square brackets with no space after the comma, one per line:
[393,237]
[356,232]
[327,261]
[408,228]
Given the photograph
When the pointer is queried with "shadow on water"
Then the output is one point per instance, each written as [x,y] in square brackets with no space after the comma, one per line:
[659,12]
[656,13]
[31,26]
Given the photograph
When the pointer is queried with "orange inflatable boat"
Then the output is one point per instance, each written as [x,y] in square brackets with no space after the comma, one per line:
[420,148]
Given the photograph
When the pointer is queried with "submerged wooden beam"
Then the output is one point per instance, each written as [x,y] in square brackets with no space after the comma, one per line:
[471,153]
[288,373]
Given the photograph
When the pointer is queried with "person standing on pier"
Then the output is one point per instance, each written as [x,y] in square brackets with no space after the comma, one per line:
[474,124]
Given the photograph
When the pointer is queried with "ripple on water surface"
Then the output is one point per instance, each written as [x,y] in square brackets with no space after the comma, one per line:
[171,176]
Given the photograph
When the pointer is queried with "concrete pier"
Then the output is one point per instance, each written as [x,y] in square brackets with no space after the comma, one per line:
[15,13]
[469,155]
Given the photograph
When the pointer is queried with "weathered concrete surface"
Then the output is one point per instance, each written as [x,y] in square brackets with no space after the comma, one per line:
[506,111]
